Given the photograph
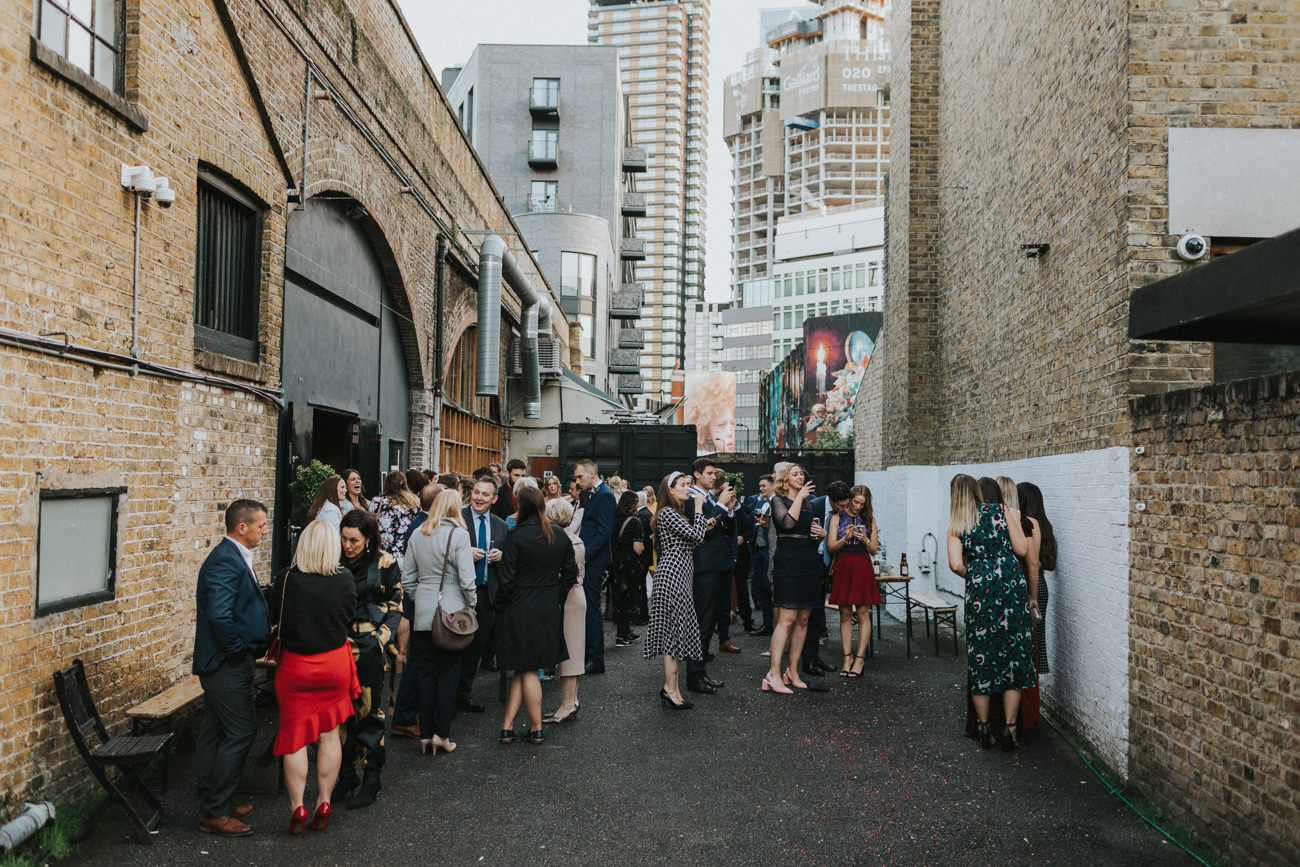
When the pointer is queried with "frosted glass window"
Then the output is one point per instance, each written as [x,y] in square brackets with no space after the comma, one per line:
[70,575]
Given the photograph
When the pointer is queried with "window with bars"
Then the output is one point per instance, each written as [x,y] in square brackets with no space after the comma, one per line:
[86,33]
[227,270]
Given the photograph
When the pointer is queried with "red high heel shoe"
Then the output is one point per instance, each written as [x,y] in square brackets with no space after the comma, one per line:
[298,822]
[321,820]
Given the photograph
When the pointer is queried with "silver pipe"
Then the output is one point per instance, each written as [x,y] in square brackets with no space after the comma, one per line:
[33,818]
[487,370]
[306,128]
[135,282]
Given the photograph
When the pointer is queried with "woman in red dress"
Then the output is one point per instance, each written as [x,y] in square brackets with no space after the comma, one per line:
[316,679]
[852,539]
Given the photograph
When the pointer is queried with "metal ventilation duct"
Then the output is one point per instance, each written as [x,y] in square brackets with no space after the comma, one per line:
[495,262]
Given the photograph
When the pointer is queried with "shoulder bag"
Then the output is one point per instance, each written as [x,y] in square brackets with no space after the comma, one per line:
[275,649]
[452,630]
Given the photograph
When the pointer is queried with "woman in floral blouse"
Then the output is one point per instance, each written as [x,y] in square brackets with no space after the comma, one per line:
[394,509]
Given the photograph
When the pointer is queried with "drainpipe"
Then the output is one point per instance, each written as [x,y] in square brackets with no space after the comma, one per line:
[440,281]
[496,262]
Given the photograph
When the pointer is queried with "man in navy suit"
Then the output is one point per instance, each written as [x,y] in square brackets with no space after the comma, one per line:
[487,533]
[231,631]
[596,533]
[760,509]
[714,560]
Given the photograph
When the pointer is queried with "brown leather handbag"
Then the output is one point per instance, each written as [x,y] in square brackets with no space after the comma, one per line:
[452,630]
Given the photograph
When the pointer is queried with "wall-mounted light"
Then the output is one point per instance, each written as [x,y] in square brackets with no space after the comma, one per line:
[1035,251]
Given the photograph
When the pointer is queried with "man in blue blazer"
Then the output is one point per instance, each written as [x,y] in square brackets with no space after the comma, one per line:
[487,534]
[596,533]
[714,560]
[231,630]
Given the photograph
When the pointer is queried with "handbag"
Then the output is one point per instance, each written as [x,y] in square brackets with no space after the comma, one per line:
[452,630]
[275,649]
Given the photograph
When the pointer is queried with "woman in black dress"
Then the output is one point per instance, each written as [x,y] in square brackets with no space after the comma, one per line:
[627,571]
[796,575]
[537,570]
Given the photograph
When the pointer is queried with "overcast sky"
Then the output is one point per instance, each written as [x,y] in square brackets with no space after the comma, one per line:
[448,31]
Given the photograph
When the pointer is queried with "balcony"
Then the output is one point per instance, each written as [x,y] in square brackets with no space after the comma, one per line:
[632,250]
[631,338]
[634,160]
[626,303]
[543,154]
[633,205]
[544,101]
[625,361]
[630,383]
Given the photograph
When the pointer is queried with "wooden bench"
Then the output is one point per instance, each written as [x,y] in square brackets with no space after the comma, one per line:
[161,708]
[128,756]
[942,611]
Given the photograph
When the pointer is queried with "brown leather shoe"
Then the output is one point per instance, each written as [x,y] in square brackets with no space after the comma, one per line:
[224,826]
[412,732]
[728,647]
[243,811]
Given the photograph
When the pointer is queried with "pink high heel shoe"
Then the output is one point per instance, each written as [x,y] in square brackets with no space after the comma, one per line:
[793,680]
[770,684]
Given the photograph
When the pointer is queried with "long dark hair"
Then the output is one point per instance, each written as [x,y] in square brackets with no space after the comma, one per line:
[397,492]
[1031,505]
[328,492]
[347,476]
[990,492]
[866,516]
[531,502]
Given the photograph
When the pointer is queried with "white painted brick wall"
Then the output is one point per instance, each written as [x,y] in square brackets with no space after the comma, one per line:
[1087,499]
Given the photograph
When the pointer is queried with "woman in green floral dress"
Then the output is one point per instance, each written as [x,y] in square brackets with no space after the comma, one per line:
[983,541]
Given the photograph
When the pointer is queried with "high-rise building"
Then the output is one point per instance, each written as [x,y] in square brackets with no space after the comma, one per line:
[807,123]
[548,121]
[664,60]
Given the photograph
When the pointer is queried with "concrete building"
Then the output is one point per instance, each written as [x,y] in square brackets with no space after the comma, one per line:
[807,123]
[664,59]
[746,348]
[704,335]
[207,282]
[1048,317]
[549,123]
[824,266]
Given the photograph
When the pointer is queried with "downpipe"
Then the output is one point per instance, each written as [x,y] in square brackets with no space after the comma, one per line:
[33,818]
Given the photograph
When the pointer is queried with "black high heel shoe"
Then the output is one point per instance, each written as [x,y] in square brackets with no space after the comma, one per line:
[666,700]
[986,736]
[1009,741]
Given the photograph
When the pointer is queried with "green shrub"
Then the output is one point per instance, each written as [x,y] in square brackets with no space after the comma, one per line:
[306,483]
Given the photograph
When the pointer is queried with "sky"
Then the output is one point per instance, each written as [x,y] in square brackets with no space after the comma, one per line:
[448,31]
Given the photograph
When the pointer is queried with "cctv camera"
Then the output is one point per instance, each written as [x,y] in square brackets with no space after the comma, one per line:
[163,192]
[1192,247]
[138,180]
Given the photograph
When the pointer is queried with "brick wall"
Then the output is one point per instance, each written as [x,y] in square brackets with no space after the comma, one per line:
[869,416]
[1216,612]
[181,450]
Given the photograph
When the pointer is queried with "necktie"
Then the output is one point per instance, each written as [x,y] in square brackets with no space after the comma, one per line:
[480,568]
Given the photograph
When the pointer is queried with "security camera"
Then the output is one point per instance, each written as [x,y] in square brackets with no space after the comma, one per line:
[1192,247]
[138,180]
[164,195]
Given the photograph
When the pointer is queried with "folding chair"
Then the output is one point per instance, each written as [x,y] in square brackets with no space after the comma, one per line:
[128,755]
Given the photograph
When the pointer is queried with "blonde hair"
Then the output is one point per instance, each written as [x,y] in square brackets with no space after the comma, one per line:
[559,512]
[524,482]
[649,494]
[963,510]
[781,477]
[1010,497]
[319,549]
[445,505]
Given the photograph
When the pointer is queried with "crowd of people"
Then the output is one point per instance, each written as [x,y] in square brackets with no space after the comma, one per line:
[440,577]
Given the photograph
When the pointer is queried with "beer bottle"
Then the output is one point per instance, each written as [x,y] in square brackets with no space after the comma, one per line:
[902,566]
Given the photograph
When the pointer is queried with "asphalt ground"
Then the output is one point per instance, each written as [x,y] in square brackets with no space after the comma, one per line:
[877,771]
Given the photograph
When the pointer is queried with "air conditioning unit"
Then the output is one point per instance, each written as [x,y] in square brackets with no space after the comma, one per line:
[550,356]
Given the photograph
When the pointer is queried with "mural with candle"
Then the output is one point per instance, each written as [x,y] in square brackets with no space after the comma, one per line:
[837,350]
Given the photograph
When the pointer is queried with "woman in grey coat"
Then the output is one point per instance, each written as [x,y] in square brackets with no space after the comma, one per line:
[441,545]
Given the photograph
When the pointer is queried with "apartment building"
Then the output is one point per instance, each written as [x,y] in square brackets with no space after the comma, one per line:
[549,123]
[663,48]
[807,122]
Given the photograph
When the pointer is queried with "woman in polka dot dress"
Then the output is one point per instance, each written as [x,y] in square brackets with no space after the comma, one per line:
[674,629]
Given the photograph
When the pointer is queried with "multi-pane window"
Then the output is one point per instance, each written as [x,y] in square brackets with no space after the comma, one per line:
[68,576]
[542,196]
[546,92]
[227,271]
[577,275]
[88,34]
[544,144]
